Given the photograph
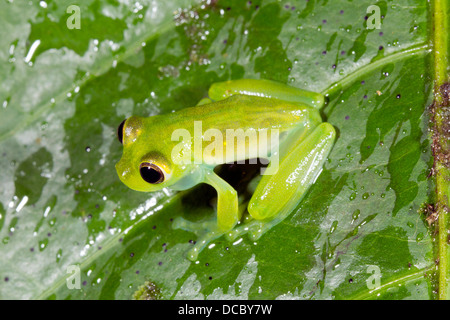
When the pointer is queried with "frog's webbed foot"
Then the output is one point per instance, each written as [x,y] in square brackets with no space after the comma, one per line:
[194,226]
[253,228]
[228,215]
[206,232]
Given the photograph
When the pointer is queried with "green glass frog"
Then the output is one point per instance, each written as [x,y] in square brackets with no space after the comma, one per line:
[240,120]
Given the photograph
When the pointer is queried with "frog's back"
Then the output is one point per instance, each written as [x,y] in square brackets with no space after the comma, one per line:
[245,125]
[245,112]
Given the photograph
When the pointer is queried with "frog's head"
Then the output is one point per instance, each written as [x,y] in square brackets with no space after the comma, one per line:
[146,163]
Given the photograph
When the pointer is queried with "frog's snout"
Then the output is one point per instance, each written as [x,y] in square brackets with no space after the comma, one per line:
[122,171]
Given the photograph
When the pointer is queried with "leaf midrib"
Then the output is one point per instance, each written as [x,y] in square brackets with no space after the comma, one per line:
[345,82]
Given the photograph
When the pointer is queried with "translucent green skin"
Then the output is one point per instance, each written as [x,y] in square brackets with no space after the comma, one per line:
[304,144]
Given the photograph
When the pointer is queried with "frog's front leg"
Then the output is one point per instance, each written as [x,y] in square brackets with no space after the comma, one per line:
[227,202]
[277,195]
[228,214]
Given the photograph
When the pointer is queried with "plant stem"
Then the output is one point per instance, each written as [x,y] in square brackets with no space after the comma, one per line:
[441,149]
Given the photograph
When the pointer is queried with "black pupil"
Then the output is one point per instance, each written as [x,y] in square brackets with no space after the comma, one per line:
[151,175]
[120,131]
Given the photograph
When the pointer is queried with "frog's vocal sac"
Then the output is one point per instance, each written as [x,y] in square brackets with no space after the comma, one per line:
[169,151]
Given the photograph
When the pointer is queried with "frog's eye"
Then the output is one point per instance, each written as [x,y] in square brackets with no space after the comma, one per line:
[120,131]
[151,173]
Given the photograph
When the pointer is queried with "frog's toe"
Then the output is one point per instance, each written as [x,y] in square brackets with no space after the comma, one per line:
[257,230]
[206,232]
[261,227]
[233,234]
[203,240]
[187,225]
[253,228]
[241,229]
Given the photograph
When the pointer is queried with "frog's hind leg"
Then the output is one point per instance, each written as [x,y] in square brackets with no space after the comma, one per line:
[277,195]
[265,88]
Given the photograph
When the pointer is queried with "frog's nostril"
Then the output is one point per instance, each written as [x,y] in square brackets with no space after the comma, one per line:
[120,131]
[122,171]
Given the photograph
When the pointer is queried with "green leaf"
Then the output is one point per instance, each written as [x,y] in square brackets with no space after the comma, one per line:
[361,232]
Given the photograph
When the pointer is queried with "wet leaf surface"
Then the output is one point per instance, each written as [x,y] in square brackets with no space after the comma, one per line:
[64,92]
